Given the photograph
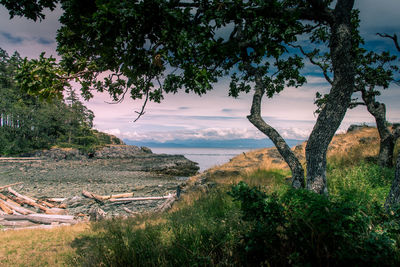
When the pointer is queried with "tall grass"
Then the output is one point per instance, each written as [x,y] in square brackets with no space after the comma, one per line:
[201,235]
[364,184]
[264,223]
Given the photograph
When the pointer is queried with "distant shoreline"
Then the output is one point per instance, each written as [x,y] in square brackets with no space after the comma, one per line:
[216,144]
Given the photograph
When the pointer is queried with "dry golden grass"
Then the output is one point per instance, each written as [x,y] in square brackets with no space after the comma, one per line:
[45,247]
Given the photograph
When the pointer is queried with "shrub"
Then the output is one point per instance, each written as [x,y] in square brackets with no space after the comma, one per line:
[302,228]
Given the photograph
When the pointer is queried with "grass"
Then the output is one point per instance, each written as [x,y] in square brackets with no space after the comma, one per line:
[48,247]
[207,227]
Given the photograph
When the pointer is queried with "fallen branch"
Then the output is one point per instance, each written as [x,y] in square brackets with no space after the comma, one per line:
[17,223]
[57,199]
[6,186]
[17,208]
[123,195]
[130,211]
[27,200]
[3,197]
[104,198]
[5,208]
[46,203]
[167,204]
[92,195]
[53,216]
[41,226]
[138,198]
[37,219]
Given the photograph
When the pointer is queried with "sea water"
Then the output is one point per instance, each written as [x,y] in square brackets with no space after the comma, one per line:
[205,157]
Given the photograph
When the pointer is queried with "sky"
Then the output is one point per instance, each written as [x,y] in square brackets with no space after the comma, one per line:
[214,115]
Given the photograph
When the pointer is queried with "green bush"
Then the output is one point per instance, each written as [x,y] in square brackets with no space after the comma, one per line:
[302,228]
[261,226]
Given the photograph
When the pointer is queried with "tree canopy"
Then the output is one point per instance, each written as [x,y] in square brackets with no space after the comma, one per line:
[148,48]
[28,122]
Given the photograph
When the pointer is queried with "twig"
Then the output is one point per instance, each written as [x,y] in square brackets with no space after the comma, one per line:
[6,186]
[393,37]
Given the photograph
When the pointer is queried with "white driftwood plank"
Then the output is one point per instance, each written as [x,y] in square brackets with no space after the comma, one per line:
[138,198]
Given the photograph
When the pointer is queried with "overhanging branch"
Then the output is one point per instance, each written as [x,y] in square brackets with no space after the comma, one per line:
[393,37]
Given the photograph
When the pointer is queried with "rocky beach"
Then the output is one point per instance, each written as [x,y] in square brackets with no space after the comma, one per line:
[65,173]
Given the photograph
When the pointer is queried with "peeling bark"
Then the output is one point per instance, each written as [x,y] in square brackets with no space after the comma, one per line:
[338,100]
[283,148]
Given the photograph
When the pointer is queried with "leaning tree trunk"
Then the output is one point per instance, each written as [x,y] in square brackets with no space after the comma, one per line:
[338,100]
[394,195]
[283,148]
[387,137]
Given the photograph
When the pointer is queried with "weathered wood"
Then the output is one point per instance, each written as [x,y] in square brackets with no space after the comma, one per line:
[46,203]
[6,186]
[5,198]
[5,208]
[130,211]
[167,204]
[56,211]
[18,209]
[53,216]
[37,219]
[57,199]
[107,197]
[138,198]
[92,195]
[27,200]
[122,195]
[41,226]
[17,223]
[19,158]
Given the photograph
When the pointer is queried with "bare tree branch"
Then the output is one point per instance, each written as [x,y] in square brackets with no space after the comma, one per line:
[310,56]
[393,37]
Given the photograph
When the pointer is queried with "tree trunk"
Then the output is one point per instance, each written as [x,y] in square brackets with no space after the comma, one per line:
[339,97]
[283,148]
[387,138]
[394,195]
[386,150]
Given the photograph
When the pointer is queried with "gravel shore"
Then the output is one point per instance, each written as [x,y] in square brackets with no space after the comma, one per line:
[67,178]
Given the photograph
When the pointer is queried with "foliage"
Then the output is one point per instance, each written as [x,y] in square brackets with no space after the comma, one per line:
[278,227]
[193,236]
[302,228]
[368,183]
[27,122]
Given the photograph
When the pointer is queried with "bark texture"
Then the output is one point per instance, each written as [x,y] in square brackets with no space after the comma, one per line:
[283,148]
[338,100]
[388,137]
[394,195]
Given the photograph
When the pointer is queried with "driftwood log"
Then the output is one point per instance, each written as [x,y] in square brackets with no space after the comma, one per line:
[38,219]
[57,199]
[167,204]
[138,198]
[17,208]
[27,200]
[23,223]
[5,208]
[104,198]
[6,186]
